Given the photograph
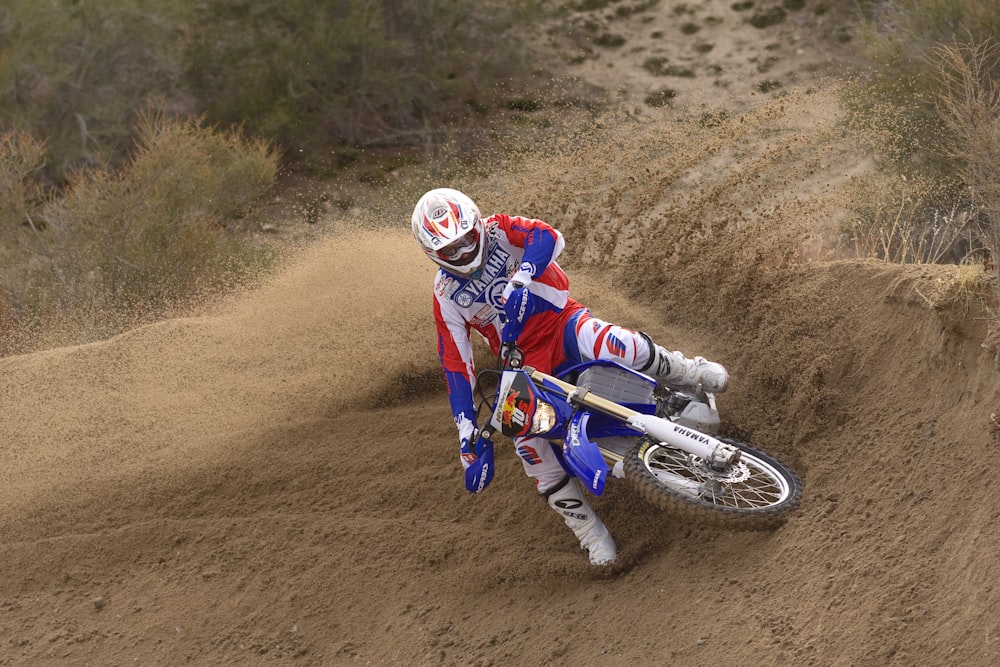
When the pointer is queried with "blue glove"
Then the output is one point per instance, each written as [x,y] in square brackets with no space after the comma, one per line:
[520,305]
[479,466]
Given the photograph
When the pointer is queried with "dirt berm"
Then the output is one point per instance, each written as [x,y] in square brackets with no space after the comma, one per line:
[275,481]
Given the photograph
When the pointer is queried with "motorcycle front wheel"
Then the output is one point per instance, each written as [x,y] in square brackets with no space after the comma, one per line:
[756,493]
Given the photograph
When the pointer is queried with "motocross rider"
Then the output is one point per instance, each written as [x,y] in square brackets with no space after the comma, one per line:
[502,269]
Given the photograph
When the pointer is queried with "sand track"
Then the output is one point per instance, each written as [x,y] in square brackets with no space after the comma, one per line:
[278,520]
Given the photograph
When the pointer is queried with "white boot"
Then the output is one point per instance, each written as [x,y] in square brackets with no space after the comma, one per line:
[674,369]
[567,499]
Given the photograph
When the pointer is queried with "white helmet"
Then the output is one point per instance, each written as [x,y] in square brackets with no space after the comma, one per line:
[447,226]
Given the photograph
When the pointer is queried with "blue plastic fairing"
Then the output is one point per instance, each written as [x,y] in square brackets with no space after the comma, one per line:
[603,426]
[583,457]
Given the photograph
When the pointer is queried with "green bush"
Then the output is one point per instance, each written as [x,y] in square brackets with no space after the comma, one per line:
[75,72]
[314,74]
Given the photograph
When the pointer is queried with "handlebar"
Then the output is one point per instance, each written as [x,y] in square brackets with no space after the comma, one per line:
[511,357]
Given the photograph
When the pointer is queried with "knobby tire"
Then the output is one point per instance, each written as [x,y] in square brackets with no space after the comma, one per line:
[757,494]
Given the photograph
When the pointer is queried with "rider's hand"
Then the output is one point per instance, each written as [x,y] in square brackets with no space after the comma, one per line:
[518,307]
[517,281]
[467,433]
[466,452]
[479,468]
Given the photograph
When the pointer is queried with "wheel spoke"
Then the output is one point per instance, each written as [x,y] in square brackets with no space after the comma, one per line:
[748,485]
[755,493]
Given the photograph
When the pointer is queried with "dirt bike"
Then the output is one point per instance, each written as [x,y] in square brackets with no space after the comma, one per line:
[609,421]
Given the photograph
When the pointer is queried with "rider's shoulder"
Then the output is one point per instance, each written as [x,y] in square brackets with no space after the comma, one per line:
[498,229]
[495,220]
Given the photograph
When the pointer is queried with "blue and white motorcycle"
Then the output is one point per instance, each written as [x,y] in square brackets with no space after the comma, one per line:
[609,421]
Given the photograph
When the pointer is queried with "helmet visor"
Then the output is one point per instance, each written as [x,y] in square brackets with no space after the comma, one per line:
[462,250]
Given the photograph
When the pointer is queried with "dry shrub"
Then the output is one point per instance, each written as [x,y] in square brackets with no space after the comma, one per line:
[968,104]
[930,108]
[967,285]
[117,246]
[942,288]
[21,156]
[902,220]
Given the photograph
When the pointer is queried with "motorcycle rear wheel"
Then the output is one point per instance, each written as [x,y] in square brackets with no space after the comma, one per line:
[757,493]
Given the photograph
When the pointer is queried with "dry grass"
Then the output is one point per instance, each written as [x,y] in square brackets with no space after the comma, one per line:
[968,284]
[898,220]
[969,104]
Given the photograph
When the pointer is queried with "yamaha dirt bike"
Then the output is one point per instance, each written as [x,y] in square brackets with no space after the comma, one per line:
[611,421]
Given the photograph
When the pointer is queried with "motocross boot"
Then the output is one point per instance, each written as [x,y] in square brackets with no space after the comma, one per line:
[566,498]
[674,369]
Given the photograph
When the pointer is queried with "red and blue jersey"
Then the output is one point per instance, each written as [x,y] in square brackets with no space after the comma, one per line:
[466,303]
